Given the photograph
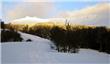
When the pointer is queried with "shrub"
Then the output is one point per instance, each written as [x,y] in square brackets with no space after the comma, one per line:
[28,40]
[58,37]
[8,35]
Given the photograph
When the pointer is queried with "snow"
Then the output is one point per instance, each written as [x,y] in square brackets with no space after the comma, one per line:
[39,52]
[28,20]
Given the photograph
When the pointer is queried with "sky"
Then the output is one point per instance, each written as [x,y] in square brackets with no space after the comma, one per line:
[14,9]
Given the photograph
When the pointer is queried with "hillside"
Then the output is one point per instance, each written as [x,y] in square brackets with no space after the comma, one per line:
[30,21]
[39,51]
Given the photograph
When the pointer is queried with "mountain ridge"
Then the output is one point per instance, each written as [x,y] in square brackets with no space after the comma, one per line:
[97,15]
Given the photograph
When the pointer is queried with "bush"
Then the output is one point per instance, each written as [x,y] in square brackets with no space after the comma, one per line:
[65,40]
[58,37]
[73,38]
[39,30]
[8,36]
[28,40]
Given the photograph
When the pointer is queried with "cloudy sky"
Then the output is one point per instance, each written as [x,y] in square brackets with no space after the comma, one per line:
[14,9]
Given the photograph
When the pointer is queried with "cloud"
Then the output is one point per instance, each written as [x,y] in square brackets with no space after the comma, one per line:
[38,0]
[94,15]
[38,9]
[0,10]
[65,0]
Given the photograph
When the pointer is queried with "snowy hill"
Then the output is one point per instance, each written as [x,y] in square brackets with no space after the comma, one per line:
[39,51]
[34,20]
[28,20]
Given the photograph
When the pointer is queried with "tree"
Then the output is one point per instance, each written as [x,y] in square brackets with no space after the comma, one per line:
[100,34]
[2,24]
[58,37]
[25,29]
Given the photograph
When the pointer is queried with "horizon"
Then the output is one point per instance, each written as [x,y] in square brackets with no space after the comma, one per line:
[10,7]
[46,9]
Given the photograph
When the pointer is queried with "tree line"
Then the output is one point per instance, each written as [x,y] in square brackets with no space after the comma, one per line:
[71,38]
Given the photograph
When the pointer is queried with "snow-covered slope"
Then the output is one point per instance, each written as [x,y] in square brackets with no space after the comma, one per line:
[39,52]
[33,20]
